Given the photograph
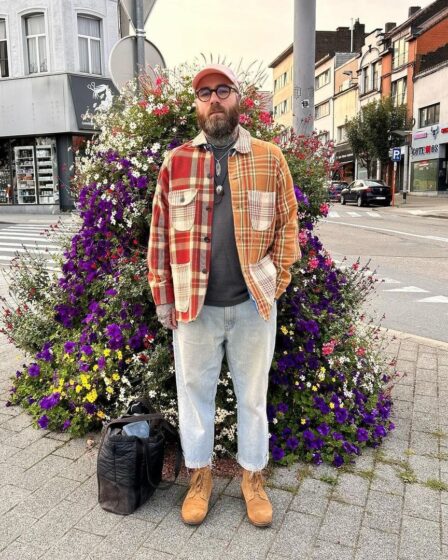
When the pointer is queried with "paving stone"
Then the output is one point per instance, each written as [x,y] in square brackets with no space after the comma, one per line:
[406,378]
[442,358]
[281,501]
[403,392]
[318,471]
[409,355]
[324,550]
[425,467]
[419,539]
[171,537]
[366,461]
[200,548]
[402,429]
[250,542]
[7,453]
[98,521]
[82,468]
[12,526]
[285,477]
[405,365]
[46,497]
[222,520]
[375,545]
[160,503]
[444,509]
[72,449]
[75,544]
[312,497]
[42,472]
[427,361]
[53,525]
[425,374]
[424,404]
[61,436]
[124,539]
[86,493]
[341,524]
[351,489]
[426,388]
[425,422]
[151,554]
[10,496]
[394,448]
[18,423]
[24,438]
[35,452]
[386,480]
[383,511]
[423,443]
[401,409]
[420,501]
[21,550]
[297,535]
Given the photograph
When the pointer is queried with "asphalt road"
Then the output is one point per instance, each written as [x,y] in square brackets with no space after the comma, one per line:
[410,255]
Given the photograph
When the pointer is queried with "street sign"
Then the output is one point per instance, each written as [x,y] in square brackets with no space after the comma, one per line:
[129,8]
[123,60]
[396,154]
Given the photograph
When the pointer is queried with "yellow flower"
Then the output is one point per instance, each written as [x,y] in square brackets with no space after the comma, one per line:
[128,347]
[115,376]
[107,380]
[66,356]
[322,369]
[110,389]
[331,405]
[333,378]
[314,388]
[95,367]
[302,421]
[77,409]
[284,329]
[100,414]
[128,361]
[78,388]
[106,352]
[120,354]
[92,396]
[83,358]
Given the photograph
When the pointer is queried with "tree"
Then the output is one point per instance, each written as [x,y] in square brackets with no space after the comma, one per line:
[370,132]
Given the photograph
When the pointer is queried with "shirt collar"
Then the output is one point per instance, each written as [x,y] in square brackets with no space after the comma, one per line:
[242,144]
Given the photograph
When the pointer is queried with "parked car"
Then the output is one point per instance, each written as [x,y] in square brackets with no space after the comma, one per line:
[334,189]
[365,191]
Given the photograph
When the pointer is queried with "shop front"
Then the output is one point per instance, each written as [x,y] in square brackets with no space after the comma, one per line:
[345,168]
[37,147]
[429,161]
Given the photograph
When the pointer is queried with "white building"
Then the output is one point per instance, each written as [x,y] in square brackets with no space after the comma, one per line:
[53,66]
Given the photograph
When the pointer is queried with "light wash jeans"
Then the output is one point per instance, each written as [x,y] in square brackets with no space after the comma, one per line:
[199,347]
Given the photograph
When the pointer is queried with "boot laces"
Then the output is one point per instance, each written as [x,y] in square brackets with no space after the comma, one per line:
[257,483]
[197,483]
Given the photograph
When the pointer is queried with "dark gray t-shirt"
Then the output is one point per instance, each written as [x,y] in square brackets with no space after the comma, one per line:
[226,285]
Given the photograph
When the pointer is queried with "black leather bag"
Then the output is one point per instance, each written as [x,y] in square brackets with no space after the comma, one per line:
[129,468]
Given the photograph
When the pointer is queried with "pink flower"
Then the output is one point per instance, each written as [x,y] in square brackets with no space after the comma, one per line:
[355,266]
[328,261]
[313,263]
[328,347]
[162,111]
[303,237]
[324,209]
[360,351]
[249,103]
[265,117]
[244,119]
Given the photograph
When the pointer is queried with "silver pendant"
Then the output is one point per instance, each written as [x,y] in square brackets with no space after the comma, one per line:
[219,189]
[218,168]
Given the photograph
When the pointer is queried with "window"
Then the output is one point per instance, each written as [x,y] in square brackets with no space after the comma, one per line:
[375,75]
[401,48]
[322,110]
[366,79]
[36,43]
[429,115]
[281,108]
[399,91]
[342,133]
[322,79]
[89,44]
[4,70]
[324,137]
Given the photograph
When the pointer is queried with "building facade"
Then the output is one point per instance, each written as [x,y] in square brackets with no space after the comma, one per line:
[53,67]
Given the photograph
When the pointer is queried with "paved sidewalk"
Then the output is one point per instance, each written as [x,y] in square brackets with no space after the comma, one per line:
[423,206]
[389,506]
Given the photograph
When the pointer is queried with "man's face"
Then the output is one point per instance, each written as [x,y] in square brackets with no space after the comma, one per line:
[217,117]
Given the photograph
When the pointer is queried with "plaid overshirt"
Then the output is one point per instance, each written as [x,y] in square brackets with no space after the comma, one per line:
[264,210]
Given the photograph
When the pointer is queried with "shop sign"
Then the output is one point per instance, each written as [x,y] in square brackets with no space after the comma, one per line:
[92,93]
[426,143]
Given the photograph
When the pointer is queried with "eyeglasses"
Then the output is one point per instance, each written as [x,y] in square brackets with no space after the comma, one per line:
[222,91]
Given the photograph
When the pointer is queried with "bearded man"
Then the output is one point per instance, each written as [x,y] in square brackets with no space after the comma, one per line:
[224,233]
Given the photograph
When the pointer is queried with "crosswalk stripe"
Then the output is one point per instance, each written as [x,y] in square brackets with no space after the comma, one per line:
[12,250]
[409,289]
[332,214]
[354,214]
[42,245]
[373,214]
[36,239]
[389,281]
[434,299]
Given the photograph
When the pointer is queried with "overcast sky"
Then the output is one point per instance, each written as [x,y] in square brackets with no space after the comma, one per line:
[254,29]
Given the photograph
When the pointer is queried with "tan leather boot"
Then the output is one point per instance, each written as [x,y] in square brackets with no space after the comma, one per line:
[259,508]
[195,506]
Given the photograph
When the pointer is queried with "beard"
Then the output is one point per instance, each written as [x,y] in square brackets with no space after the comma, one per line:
[219,123]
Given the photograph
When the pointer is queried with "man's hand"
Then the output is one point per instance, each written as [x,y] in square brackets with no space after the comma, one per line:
[166,313]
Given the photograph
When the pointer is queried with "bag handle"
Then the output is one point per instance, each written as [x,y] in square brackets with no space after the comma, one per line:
[177,467]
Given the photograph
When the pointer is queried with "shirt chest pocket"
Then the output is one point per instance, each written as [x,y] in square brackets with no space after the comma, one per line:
[261,209]
[182,208]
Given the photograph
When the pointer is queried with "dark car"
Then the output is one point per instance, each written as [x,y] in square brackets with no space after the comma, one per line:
[366,191]
[334,189]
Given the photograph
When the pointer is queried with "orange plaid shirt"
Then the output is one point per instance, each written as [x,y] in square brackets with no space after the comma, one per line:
[265,219]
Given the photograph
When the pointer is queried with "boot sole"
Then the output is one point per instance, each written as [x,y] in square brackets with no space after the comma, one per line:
[260,524]
[191,522]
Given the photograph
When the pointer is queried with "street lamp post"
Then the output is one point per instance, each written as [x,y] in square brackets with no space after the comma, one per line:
[304,50]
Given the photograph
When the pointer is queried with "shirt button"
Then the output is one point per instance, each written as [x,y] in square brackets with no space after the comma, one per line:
[204,271]
[208,208]
[207,239]
[209,175]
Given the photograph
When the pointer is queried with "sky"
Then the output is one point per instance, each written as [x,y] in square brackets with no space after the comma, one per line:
[253,30]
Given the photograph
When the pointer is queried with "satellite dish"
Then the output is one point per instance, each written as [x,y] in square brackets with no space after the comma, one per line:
[123,61]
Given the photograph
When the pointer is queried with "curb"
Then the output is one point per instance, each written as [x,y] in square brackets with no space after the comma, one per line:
[419,339]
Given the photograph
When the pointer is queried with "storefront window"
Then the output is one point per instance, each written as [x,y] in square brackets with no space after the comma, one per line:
[424,175]
[6,177]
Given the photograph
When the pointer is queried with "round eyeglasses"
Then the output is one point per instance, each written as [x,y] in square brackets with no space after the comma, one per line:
[222,91]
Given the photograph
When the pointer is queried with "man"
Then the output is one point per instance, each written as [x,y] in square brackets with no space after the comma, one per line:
[224,234]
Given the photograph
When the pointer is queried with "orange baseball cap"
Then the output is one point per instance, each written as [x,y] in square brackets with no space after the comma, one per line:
[216,69]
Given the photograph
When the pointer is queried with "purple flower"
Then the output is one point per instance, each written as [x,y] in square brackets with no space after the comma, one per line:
[337,436]
[292,443]
[341,415]
[87,349]
[277,453]
[46,353]
[379,431]
[282,407]
[69,346]
[65,425]
[362,434]
[90,408]
[50,401]
[33,370]
[337,460]
[323,429]
[43,421]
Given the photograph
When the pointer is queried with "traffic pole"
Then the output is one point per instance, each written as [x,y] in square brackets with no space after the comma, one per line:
[140,37]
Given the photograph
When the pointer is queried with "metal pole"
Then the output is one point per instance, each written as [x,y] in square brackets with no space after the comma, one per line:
[140,36]
[303,65]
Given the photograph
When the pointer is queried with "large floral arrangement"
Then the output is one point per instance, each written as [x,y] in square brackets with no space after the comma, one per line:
[91,332]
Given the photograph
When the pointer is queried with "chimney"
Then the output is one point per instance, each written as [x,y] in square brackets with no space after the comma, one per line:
[412,10]
[389,26]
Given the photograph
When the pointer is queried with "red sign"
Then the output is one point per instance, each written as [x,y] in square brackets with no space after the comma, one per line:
[444,130]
